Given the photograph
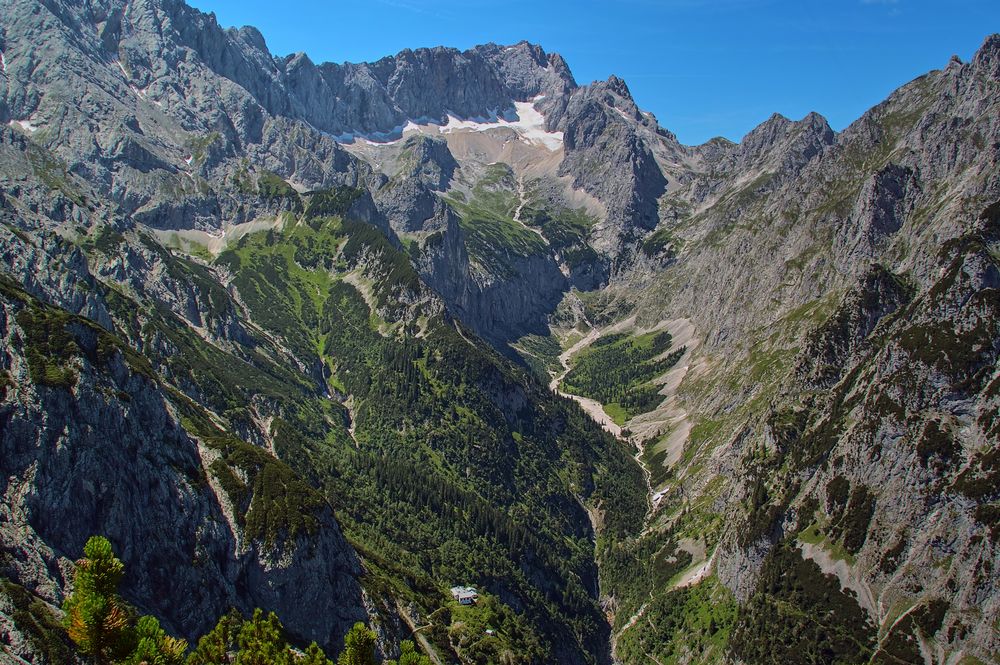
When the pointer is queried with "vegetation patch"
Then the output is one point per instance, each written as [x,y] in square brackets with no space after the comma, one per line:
[272,186]
[490,632]
[900,644]
[52,339]
[798,614]
[690,624]
[493,237]
[660,243]
[106,239]
[48,347]
[37,622]
[281,505]
[566,230]
[461,466]
[936,447]
[633,567]
[654,457]
[541,353]
[617,370]
[334,202]
[199,145]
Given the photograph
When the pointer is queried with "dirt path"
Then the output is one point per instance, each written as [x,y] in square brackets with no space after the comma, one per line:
[522,201]
[668,414]
[427,647]
[593,408]
[631,621]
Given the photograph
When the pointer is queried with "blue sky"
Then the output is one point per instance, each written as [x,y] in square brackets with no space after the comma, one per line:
[704,67]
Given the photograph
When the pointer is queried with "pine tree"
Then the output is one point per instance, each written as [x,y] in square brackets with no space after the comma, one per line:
[262,643]
[409,655]
[96,618]
[154,646]
[213,648]
[359,647]
[314,656]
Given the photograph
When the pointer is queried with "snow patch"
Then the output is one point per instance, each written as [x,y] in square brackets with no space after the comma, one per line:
[390,136]
[188,160]
[3,62]
[523,119]
[624,115]
[139,92]
[26,125]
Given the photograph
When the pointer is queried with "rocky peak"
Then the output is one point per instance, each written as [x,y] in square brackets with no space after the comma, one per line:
[779,142]
[155,40]
[987,57]
[529,71]
[428,160]
[618,86]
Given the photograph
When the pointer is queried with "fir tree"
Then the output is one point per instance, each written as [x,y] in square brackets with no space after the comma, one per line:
[214,648]
[261,641]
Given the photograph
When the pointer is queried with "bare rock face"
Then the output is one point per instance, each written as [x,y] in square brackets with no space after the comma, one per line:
[830,348]
[92,444]
[892,459]
[884,203]
[607,156]
[865,263]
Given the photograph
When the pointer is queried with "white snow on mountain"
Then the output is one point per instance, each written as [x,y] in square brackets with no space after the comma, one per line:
[524,119]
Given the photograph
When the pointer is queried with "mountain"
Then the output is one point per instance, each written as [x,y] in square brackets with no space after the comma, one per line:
[330,339]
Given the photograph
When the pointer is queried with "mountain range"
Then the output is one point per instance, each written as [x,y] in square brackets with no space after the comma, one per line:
[330,339]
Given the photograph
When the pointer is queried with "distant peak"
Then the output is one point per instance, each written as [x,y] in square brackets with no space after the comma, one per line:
[991,43]
[525,45]
[253,36]
[988,55]
[817,120]
[778,121]
[618,86]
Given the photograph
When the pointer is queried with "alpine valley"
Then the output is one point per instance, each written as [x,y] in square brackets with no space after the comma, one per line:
[330,339]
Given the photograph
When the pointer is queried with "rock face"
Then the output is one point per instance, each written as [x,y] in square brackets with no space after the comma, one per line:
[170,107]
[895,461]
[607,156]
[842,281]
[831,347]
[93,444]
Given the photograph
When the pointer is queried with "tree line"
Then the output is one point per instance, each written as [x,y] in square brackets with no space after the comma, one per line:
[107,631]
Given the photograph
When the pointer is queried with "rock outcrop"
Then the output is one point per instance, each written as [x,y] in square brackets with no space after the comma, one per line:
[93,444]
